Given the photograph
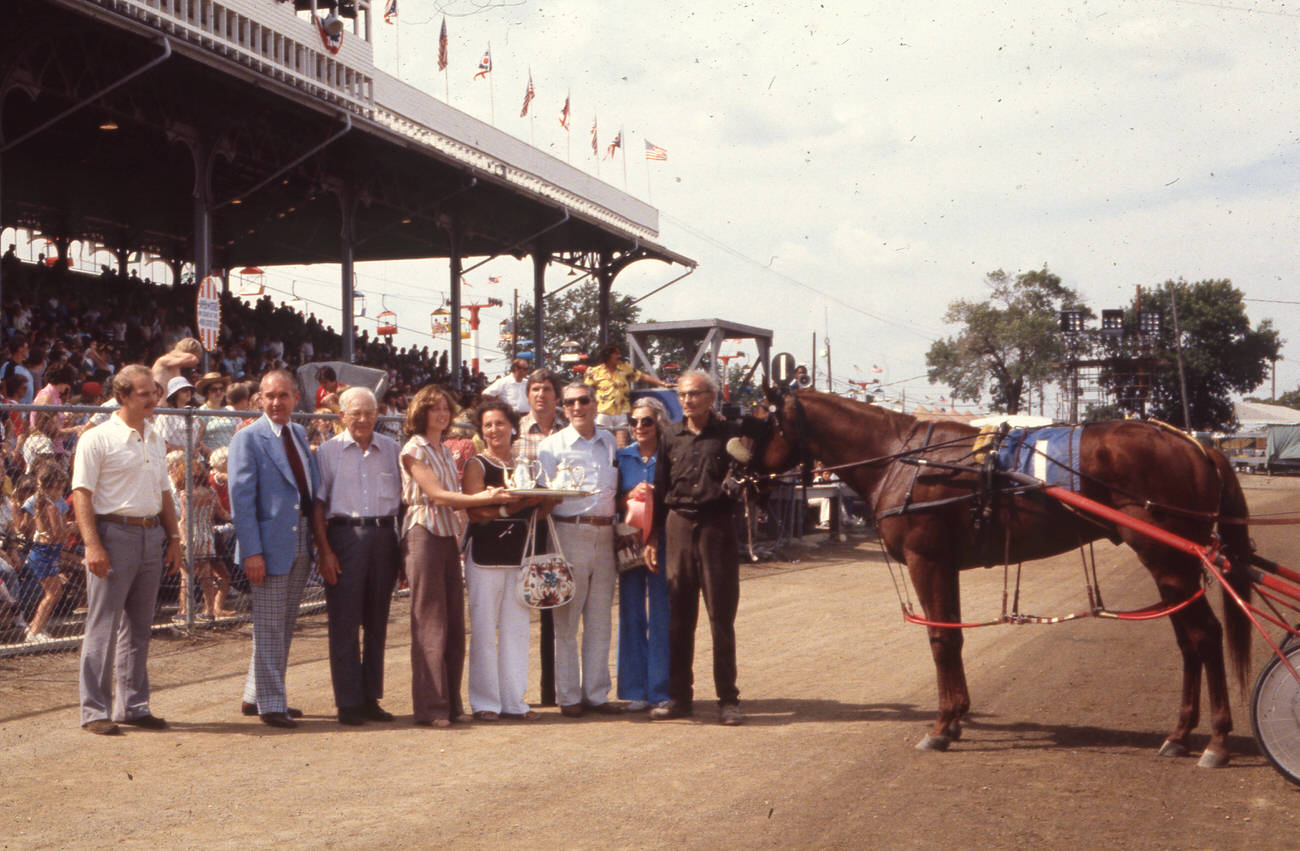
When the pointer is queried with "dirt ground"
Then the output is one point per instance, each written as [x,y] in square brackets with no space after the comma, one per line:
[836,690]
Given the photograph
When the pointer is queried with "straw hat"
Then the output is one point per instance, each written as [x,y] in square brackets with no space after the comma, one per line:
[210,379]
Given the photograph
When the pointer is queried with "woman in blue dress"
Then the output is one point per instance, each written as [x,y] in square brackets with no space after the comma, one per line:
[642,594]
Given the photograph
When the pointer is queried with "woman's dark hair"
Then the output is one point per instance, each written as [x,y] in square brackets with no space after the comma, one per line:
[491,404]
[60,373]
[606,351]
[326,373]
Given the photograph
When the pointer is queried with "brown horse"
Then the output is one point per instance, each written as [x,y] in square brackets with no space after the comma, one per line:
[925,519]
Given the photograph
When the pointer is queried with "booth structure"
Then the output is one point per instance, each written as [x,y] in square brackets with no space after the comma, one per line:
[704,337]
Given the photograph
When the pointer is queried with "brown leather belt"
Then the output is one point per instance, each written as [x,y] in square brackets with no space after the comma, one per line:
[386,521]
[124,520]
[582,519]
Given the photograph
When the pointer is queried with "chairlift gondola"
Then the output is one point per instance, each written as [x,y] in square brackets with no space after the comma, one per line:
[387,320]
[252,282]
[358,303]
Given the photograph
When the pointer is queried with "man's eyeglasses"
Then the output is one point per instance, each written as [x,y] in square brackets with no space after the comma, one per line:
[580,400]
[643,422]
[692,394]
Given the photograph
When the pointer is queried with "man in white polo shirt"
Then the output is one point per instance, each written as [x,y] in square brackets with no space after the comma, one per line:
[122,497]
[512,388]
[585,528]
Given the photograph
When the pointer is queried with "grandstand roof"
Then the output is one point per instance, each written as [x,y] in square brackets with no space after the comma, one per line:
[290,126]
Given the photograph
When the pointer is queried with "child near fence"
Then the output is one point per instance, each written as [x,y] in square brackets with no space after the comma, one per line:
[196,537]
[51,528]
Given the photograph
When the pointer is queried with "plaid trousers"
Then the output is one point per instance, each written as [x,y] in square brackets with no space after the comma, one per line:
[275,612]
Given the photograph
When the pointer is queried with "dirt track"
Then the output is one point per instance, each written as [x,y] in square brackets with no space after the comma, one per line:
[836,691]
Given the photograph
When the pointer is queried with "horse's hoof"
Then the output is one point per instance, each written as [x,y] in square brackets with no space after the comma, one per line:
[933,743]
[1172,749]
[953,731]
[1212,759]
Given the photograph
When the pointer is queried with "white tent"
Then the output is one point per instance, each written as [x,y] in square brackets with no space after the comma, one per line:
[1254,416]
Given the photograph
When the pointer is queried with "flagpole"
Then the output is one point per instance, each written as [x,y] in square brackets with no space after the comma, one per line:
[492,97]
[622,138]
[398,36]
[649,192]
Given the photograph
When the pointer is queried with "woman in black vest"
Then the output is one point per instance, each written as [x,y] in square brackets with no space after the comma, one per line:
[498,649]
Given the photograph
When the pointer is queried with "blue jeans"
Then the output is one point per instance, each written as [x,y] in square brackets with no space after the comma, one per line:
[642,639]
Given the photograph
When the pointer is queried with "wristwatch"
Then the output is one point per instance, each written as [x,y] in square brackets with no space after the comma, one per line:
[501,509]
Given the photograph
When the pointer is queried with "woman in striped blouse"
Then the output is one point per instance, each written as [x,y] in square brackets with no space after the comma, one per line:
[431,557]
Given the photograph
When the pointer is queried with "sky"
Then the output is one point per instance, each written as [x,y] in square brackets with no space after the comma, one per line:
[848,169]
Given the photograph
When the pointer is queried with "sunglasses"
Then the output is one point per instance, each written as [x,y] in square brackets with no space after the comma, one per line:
[643,422]
[580,400]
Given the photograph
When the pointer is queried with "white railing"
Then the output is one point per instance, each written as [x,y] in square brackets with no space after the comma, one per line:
[266,37]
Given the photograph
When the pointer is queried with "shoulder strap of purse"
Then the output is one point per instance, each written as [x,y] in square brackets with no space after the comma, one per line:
[529,546]
[555,539]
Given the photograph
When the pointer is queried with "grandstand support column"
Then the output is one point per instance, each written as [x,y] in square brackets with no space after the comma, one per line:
[541,259]
[347,238]
[122,255]
[605,279]
[204,152]
[455,233]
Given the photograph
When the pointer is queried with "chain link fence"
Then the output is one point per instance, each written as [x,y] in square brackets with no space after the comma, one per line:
[42,575]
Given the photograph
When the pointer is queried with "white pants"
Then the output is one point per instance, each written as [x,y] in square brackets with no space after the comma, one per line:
[590,551]
[498,640]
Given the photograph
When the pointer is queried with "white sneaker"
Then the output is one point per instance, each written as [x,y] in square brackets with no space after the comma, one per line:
[637,706]
[38,638]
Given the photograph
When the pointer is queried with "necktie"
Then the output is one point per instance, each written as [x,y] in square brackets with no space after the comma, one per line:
[295,461]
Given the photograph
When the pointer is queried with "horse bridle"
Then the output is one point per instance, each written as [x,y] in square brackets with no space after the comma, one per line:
[776,413]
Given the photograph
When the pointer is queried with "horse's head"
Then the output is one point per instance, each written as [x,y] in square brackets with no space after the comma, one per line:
[775,444]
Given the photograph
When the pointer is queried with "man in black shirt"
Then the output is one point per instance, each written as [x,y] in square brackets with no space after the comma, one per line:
[701,548]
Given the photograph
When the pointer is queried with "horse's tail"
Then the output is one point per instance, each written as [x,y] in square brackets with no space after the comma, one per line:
[1234,539]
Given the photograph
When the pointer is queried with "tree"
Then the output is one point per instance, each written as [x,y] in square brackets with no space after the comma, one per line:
[1221,353]
[573,315]
[1008,342]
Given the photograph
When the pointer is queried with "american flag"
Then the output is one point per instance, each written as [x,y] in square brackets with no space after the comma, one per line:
[564,114]
[615,145]
[390,11]
[485,64]
[595,146]
[654,152]
[876,368]
[528,95]
[494,279]
[442,46]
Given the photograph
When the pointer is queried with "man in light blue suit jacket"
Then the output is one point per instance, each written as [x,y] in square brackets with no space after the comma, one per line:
[271,496]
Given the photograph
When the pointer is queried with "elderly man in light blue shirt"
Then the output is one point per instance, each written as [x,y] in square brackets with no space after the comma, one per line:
[581,456]
[358,501]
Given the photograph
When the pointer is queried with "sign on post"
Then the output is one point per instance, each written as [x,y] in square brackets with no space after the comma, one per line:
[208,312]
[783,368]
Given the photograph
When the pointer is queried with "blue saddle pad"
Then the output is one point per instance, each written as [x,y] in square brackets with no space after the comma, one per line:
[1050,454]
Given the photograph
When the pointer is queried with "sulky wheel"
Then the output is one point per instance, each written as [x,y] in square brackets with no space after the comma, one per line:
[1275,714]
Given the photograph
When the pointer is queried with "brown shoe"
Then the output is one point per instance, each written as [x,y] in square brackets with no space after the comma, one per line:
[573,710]
[147,722]
[102,727]
[607,708]
[486,715]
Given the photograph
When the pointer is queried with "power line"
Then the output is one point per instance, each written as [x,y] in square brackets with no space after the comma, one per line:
[925,334]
